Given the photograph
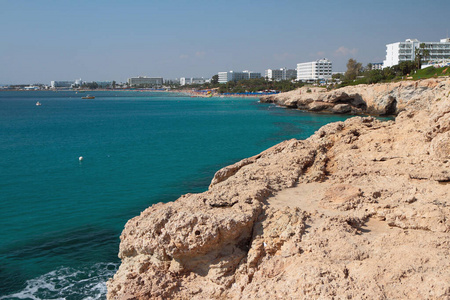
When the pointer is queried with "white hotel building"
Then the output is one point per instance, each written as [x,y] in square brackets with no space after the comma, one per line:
[320,69]
[405,51]
[144,80]
[192,80]
[280,74]
[61,84]
[224,77]
[65,84]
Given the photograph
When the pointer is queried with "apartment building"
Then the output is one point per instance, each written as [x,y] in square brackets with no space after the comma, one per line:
[143,80]
[185,81]
[377,66]
[193,80]
[77,83]
[290,74]
[320,69]
[251,75]
[405,51]
[61,84]
[280,74]
[224,77]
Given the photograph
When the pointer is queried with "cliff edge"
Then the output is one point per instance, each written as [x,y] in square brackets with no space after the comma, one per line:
[373,99]
[358,210]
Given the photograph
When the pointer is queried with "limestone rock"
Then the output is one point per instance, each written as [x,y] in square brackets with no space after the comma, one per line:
[375,99]
[358,210]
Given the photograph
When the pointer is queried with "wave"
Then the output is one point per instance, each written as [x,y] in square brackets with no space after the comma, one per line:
[68,283]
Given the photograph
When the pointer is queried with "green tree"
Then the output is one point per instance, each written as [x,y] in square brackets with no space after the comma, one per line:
[215,79]
[373,76]
[114,84]
[90,85]
[354,68]
[338,76]
[405,68]
[420,53]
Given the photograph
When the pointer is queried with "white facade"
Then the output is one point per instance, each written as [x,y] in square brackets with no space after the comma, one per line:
[145,80]
[400,52]
[320,69]
[172,81]
[77,83]
[290,74]
[185,81]
[276,75]
[57,84]
[224,77]
[280,74]
[200,80]
[31,88]
[405,51]
[377,66]
[251,75]
[239,76]
[193,80]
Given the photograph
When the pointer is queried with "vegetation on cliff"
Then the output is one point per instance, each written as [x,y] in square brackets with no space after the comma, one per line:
[357,74]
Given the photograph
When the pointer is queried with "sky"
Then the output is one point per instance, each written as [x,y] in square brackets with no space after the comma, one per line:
[107,40]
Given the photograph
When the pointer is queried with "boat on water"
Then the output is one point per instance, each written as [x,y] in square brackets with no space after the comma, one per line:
[38,103]
[88,97]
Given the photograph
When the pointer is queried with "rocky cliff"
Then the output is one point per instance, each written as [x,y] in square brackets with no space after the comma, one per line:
[375,99]
[361,209]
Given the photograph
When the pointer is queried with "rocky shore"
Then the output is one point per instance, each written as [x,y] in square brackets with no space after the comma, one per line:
[375,99]
[360,210]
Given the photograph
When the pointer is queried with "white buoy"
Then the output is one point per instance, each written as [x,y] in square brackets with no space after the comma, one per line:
[80,158]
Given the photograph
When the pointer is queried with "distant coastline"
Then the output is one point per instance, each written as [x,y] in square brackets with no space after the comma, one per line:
[188,92]
[212,94]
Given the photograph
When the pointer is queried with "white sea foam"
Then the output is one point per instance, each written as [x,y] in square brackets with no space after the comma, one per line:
[85,283]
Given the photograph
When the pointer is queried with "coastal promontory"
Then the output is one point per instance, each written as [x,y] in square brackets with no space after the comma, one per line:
[360,210]
[374,99]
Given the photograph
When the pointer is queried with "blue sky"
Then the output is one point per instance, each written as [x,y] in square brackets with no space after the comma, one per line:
[114,40]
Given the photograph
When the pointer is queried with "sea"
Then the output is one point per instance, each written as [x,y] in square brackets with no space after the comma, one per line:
[61,216]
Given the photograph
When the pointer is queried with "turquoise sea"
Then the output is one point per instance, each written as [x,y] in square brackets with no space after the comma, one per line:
[61,219]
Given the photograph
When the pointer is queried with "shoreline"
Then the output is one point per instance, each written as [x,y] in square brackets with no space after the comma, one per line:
[381,99]
[190,93]
[205,94]
[353,208]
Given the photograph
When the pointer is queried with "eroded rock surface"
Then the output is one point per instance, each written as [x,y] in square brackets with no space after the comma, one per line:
[360,210]
[375,99]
